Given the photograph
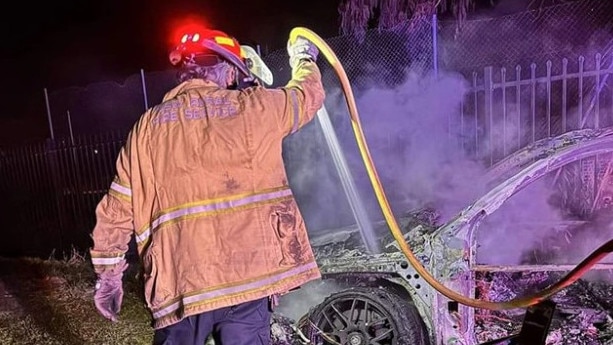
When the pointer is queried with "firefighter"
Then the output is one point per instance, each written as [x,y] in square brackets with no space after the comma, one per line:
[201,184]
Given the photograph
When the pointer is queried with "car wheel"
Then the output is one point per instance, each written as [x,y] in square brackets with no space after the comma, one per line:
[365,316]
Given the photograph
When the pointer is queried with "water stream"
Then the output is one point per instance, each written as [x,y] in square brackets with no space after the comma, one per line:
[347,181]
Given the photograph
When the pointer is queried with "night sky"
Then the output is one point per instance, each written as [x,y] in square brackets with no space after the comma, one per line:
[72,43]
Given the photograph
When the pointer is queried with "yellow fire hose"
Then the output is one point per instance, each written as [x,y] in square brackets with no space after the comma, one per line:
[520,302]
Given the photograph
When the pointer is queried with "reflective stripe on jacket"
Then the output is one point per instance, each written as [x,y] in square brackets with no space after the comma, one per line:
[202,186]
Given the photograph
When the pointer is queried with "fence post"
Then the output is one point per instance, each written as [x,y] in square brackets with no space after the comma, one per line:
[53,163]
[142,79]
[49,114]
[488,84]
[597,90]
[476,114]
[564,94]
[435,45]
[503,87]
[518,103]
[548,90]
[580,92]
[70,127]
[533,99]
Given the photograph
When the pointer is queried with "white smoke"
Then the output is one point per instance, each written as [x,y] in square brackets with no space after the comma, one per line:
[297,303]
[414,147]
[518,226]
[417,145]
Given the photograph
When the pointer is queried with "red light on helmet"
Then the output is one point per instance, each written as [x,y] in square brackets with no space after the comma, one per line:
[187,38]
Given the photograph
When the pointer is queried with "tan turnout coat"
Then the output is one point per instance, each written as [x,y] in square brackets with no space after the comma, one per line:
[201,185]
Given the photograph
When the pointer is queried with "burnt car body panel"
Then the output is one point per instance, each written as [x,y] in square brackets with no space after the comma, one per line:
[449,250]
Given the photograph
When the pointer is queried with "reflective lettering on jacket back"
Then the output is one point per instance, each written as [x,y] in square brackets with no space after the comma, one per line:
[218,107]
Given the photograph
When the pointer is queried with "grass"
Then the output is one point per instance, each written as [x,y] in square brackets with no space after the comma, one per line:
[50,302]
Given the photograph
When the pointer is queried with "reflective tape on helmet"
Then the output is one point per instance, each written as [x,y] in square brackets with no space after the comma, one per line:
[224,40]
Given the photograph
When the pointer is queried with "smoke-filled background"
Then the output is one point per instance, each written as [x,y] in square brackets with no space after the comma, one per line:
[423,154]
[406,129]
[407,132]
[420,165]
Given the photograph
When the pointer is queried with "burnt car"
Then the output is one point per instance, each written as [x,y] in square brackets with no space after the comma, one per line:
[381,299]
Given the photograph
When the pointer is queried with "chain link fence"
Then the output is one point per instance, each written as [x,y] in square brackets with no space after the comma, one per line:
[379,59]
[106,106]
[553,33]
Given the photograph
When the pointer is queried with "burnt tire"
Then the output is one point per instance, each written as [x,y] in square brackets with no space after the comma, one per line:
[365,316]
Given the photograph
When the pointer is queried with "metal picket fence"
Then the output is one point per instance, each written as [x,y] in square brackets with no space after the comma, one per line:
[508,108]
[50,190]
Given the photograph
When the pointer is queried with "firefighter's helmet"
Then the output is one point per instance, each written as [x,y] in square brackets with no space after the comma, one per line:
[202,47]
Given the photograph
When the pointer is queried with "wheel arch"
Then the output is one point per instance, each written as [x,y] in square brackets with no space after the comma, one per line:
[390,281]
